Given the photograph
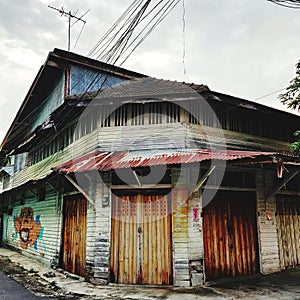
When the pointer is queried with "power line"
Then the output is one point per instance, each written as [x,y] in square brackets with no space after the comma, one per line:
[270,94]
[183,40]
[287,3]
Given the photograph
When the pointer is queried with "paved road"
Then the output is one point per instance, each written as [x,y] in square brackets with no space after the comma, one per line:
[11,290]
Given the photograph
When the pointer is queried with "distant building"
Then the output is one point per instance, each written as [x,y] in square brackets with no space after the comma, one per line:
[120,177]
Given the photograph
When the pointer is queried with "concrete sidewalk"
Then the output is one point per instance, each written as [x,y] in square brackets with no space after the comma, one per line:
[283,285]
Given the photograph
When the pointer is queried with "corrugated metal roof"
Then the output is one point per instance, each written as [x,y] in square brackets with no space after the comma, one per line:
[106,161]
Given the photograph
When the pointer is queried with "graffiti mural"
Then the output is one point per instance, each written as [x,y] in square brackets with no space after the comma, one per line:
[27,227]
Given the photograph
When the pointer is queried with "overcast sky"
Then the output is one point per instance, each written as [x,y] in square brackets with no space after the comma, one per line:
[245,48]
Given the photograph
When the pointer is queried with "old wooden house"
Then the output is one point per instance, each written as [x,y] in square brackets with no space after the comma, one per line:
[125,178]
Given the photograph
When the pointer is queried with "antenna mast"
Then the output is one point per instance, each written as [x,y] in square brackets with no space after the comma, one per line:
[70,16]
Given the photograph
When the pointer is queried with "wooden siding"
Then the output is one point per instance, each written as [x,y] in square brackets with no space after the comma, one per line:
[107,139]
[48,212]
[137,137]
[288,223]
[180,229]
[74,235]
[156,136]
[230,238]
[42,169]
[267,228]
[50,104]
[214,137]
[100,242]
[141,245]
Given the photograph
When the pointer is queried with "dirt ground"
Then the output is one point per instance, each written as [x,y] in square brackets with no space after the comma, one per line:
[282,285]
[32,281]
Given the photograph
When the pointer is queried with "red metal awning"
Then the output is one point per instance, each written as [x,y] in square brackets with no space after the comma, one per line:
[106,161]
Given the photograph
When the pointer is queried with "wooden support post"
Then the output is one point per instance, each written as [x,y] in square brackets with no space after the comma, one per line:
[201,181]
[137,178]
[282,184]
[69,178]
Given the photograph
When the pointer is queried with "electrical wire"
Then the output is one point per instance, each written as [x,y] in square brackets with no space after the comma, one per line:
[121,45]
[183,41]
[79,35]
[295,4]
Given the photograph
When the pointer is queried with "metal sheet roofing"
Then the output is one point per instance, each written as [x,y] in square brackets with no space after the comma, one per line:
[106,161]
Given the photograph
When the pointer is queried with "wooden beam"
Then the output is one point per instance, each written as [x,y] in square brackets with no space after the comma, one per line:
[231,188]
[137,178]
[282,184]
[291,193]
[70,179]
[201,181]
[144,186]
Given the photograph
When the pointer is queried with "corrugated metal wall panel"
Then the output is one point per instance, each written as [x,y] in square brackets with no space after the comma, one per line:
[288,224]
[230,235]
[48,213]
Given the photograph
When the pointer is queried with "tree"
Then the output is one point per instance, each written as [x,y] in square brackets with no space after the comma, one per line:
[291,98]
[292,95]
[296,145]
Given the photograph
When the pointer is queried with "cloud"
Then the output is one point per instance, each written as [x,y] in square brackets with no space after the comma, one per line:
[246,48]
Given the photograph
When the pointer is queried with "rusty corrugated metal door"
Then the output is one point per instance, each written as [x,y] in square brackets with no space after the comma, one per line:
[288,224]
[74,235]
[230,235]
[141,246]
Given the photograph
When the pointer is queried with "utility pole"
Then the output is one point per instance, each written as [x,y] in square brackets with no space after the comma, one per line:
[70,16]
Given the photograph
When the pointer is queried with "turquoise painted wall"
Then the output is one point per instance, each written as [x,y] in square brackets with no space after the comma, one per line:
[83,80]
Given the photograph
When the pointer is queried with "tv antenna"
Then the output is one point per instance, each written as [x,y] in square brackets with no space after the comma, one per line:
[70,15]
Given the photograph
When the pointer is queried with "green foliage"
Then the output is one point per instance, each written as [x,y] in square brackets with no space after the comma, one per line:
[296,145]
[292,95]
[291,98]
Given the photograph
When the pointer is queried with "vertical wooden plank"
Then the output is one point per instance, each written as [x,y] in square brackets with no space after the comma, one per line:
[293,238]
[154,242]
[219,240]
[146,212]
[140,240]
[243,244]
[127,240]
[150,256]
[236,253]
[122,240]
[118,237]
[75,236]
[227,239]
[130,237]
[169,240]
[82,212]
[207,242]
[159,238]
[215,263]
[163,203]
[297,228]
[135,243]
[112,247]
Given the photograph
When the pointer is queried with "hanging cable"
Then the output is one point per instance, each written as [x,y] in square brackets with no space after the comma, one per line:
[183,40]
